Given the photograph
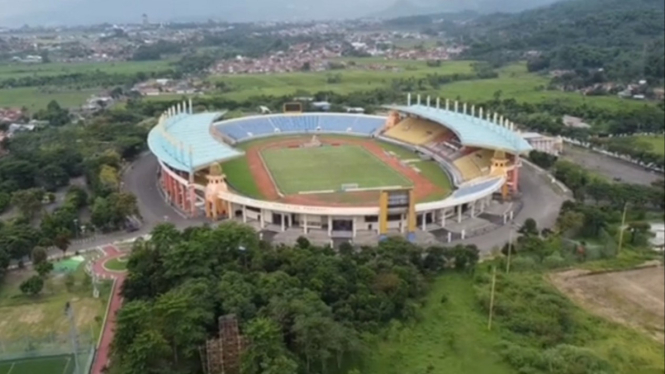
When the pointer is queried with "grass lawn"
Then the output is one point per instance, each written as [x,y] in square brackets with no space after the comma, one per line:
[452,337]
[41,316]
[38,98]
[297,170]
[15,70]
[39,365]
[655,143]
[116,264]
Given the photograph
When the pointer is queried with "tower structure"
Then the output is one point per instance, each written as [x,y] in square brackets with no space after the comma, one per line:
[499,167]
[214,206]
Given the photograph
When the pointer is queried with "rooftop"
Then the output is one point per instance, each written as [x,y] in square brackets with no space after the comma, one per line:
[183,141]
[471,131]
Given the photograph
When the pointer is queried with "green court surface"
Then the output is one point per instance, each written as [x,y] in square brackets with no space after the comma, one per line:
[68,265]
[39,365]
[296,170]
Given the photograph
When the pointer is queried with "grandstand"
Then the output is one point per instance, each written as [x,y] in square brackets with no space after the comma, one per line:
[243,129]
[416,131]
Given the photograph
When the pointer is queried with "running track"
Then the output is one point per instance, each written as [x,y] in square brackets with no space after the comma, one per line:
[104,347]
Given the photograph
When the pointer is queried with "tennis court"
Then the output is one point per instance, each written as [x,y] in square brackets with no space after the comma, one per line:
[39,365]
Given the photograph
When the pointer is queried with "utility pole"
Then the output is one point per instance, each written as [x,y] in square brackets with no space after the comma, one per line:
[622,228]
[489,323]
[69,311]
[510,249]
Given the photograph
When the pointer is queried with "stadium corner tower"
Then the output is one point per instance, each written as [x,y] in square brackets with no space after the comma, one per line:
[443,167]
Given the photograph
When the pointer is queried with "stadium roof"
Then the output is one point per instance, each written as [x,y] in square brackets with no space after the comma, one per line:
[471,131]
[172,141]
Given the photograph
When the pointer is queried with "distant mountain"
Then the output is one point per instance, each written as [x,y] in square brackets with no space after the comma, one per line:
[405,8]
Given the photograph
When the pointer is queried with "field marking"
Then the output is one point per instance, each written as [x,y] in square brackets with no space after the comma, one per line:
[267,169]
[64,371]
[315,192]
[11,368]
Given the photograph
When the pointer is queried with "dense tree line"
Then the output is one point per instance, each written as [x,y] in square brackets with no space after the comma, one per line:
[625,39]
[303,308]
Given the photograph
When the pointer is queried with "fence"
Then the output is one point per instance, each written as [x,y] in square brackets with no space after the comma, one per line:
[51,345]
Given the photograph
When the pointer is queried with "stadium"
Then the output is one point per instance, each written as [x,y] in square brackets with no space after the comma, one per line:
[446,170]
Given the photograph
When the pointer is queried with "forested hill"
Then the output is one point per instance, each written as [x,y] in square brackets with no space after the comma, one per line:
[624,37]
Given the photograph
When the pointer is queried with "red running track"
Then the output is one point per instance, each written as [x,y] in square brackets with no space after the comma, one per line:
[104,347]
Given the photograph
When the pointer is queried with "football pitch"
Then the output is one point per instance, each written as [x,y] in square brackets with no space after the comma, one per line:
[39,365]
[326,169]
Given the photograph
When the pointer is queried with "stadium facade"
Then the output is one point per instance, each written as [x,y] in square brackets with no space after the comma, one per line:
[480,152]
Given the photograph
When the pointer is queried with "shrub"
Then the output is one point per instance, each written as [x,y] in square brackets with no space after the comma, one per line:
[554,261]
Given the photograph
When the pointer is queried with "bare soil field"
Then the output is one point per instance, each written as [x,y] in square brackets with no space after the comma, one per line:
[635,298]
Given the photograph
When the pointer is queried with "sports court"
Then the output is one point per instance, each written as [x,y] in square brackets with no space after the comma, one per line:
[39,365]
[328,169]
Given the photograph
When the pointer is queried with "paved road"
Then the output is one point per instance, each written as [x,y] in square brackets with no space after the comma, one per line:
[104,348]
[609,167]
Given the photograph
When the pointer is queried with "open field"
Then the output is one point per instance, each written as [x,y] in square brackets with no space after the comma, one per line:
[40,365]
[296,170]
[8,71]
[41,316]
[634,298]
[452,338]
[656,143]
[38,98]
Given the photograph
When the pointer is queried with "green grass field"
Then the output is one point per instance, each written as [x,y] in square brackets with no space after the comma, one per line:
[38,98]
[116,264]
[297,170]
[452,338]
[39,365]
[44,70]
[655,143]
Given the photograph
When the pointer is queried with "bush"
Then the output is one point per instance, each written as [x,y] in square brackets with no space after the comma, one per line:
[32,286]
[523,263]
[554,261]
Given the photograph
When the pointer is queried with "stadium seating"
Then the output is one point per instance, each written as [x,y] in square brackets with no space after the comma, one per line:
[304,123]
[416,131]
[475,164]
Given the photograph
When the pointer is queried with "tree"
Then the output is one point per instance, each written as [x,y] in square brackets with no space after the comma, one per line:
[529,227]
[43,268]
[39,255]
[266,353]
[29,202]
[62,241]
[32,286]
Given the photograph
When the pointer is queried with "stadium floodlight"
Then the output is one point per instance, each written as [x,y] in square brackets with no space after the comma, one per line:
[69,311]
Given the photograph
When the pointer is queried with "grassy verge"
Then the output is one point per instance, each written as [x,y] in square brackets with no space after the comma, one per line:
[116,264]
[452,337]
[656,144]
[239,176]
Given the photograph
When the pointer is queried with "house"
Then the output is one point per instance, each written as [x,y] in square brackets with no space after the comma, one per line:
[321,105]
[10,115]
[19,127]
[575,122]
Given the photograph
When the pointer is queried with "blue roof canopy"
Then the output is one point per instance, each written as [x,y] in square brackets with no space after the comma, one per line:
[172,141]
[471,131]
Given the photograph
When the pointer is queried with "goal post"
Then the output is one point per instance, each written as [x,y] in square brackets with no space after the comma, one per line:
[349,186]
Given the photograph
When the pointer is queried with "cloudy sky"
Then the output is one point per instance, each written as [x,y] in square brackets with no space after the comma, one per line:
[71,12]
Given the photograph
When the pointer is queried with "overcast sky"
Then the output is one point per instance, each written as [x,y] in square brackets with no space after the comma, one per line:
[72,12]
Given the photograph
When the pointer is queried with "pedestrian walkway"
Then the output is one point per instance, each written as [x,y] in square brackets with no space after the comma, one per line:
[102,358]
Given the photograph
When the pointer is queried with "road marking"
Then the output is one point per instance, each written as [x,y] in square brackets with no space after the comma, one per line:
[11,368]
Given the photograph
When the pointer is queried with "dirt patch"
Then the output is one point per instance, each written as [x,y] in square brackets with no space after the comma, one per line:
[422,187]
[635,298]
[31,316]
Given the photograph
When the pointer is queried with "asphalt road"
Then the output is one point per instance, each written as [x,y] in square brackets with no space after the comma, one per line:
[609,167]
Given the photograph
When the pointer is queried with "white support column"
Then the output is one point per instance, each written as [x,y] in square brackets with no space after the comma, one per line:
[504,218]
[473,209]
[401,223]
[450,237]
[464,108]
[191,107]
[443,217]
[480,113]
[428,100]
[353,226]
[408,99]
[482,206]
[244,214]
[463,234]
[496,117]
[283,221]
[304,223]
[262,218]
[438,103]
[459,214]
[424,222]
[330,225]
[418,99]
[511,215]
[501,122]
[447,104]
[456,106]
[473,110]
